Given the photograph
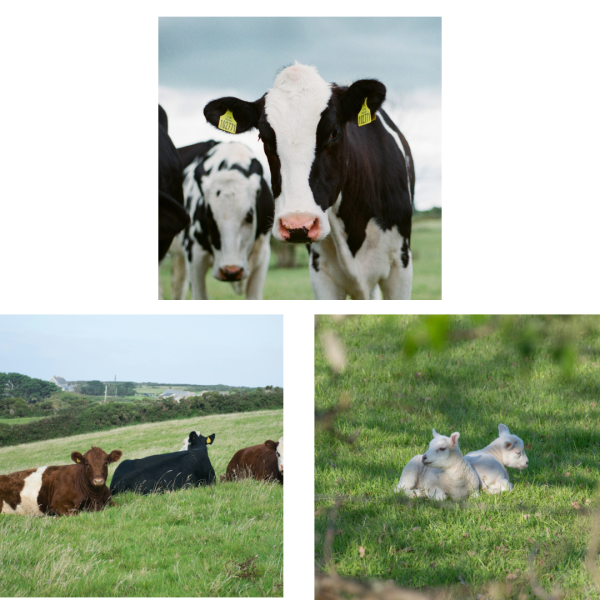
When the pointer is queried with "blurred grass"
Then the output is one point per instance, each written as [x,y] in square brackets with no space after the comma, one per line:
[294,284]
[407,374]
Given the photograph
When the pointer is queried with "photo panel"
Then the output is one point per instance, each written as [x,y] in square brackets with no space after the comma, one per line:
[141,455]
[456,456]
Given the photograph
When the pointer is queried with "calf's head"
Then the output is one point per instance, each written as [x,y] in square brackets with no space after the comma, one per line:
[304,123]
[442,450]
[513,449]
[277,447]
[230,180]
[95,464]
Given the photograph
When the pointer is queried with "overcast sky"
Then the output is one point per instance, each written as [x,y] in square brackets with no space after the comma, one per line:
[244,350]
[201,58]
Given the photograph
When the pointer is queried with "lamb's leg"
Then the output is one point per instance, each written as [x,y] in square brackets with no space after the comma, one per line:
[410,477]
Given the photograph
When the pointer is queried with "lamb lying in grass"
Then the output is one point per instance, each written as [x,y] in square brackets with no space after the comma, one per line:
[442,471]
[506,450]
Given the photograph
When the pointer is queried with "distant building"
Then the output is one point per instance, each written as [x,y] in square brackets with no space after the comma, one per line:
[62,383]
[178,395]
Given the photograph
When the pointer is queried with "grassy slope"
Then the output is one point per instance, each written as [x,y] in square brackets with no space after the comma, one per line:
[469,387]
[223,540]
[20,420]
[294,284]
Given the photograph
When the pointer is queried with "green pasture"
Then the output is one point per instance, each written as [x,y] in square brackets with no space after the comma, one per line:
[20,420]
[221,540]
[405,375]
[294,284]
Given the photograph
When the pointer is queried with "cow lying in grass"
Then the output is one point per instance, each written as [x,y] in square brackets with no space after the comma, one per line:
[442,471]
[263,462]
[63,490]
[167,472]
[507,450]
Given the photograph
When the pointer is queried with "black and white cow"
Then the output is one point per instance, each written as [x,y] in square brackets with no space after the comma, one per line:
[232,208]
[342,176]
[166,472]
[172,216]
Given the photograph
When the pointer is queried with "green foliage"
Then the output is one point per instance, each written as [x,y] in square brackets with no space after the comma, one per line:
[31,389]
[539,375]
[93,388]
[83,416]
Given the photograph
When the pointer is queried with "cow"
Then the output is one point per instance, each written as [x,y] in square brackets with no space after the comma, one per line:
[342,176]
[231,207]
[262,462]
[62,490]
[166,472]
[172,216]
[186,442]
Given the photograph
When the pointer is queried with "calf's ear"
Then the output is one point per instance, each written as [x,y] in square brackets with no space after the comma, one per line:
[271,444]
[114,456]
[77,457]
[245,114]
[210,439]
[352,101]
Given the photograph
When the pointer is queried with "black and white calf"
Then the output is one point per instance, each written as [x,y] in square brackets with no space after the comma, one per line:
[231,207]
[342,176]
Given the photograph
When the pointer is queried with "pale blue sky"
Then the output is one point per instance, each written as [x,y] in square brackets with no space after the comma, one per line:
[242,350]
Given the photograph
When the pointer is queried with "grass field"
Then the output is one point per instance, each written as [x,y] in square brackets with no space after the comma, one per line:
[294,284]
[538,376]
[221,540]
[20,420]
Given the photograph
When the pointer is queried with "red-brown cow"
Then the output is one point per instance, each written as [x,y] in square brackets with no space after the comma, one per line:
[259,462]
[60,490]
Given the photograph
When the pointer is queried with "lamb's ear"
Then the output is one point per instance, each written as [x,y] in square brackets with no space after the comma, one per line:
[454,437]
[503,429]
[435,434]
[508,445]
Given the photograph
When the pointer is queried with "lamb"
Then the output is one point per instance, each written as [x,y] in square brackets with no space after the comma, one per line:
[506,450]
[442,471]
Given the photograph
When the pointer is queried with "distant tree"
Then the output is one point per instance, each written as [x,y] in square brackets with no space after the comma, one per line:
[31,389]
[93,388]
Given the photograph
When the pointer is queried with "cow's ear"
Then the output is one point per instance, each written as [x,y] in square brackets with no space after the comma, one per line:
[210,439]
[353,100]
[77,457]
[192,437]
[233,115]
[271,444]
[114,456]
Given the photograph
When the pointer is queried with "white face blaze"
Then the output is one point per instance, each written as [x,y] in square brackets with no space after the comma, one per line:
[440,449]
[29,496]
[513,449]
[280,455]
[293,109]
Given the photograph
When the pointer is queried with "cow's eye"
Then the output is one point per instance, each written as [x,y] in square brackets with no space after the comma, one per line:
[249,216]
[218,193]
[334,134]
[278,454]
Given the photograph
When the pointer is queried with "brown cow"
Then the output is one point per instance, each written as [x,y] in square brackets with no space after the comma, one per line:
[60,490]
[259,462]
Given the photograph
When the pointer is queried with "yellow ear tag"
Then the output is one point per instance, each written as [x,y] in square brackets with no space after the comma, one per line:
[364,116]
[208,440]
[227,122]
[77,460]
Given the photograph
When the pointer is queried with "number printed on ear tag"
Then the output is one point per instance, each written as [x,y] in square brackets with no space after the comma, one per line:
[364,116]
[227,122]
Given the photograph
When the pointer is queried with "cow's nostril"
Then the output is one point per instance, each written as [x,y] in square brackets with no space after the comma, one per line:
[230,273]
[300,229]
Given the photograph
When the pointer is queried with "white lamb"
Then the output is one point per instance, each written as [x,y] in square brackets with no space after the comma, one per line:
[506,450]
[442,471]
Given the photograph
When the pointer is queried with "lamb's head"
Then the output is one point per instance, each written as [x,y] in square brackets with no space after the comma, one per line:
[442,451]
[513,449]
